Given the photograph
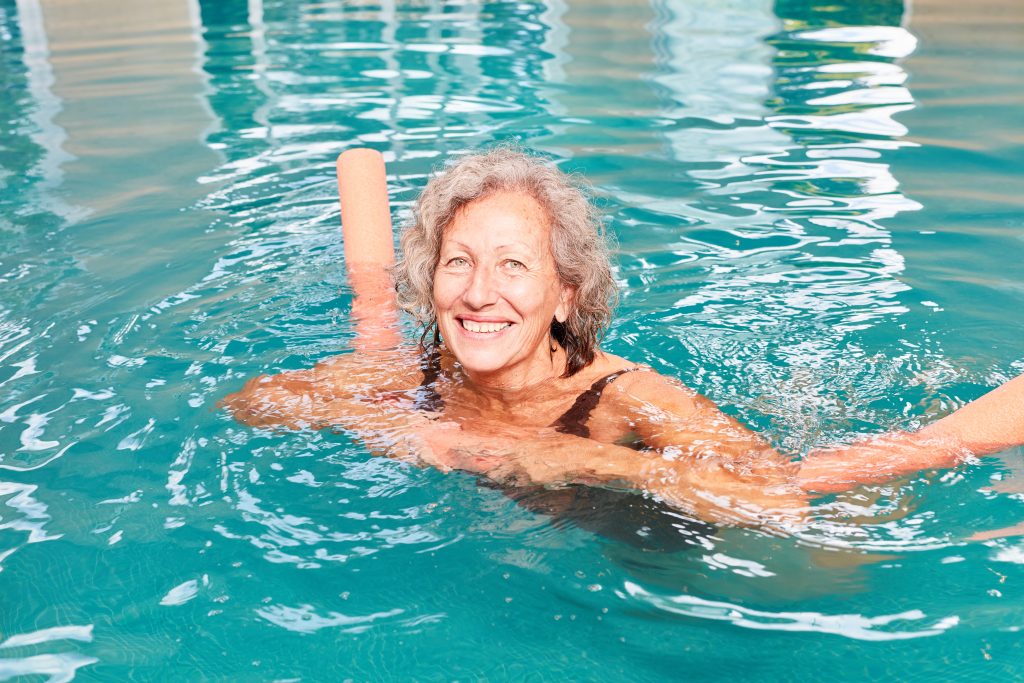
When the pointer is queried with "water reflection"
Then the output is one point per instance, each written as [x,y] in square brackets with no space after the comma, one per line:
[781,255]
[749,159]
[25,514]
[902,626]
[715,73]
[44,106]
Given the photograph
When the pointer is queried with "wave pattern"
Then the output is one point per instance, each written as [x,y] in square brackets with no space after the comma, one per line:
[779,248]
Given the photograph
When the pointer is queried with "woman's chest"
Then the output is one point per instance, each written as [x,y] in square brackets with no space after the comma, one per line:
[601,421]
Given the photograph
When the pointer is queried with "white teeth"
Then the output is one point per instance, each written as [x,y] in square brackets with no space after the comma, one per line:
[474,326]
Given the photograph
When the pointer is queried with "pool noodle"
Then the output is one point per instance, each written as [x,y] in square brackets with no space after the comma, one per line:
[365,214]
[369,247]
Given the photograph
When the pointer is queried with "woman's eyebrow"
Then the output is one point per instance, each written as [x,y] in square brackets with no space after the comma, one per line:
[501,247]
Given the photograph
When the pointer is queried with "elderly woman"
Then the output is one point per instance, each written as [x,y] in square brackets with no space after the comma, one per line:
[505,266]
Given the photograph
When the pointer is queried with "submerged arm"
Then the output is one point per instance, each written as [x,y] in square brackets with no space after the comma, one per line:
[988,425]
[546,457]
[297,399]
[698,458]
[709,463]
[724,473]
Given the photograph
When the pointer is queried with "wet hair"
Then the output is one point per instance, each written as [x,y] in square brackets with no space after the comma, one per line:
[578,242]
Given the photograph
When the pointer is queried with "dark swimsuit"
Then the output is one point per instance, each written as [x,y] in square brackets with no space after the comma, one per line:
[624,516]
[572,421]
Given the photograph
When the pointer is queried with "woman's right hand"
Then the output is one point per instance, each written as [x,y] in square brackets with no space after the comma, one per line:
[718,489]
[712,488]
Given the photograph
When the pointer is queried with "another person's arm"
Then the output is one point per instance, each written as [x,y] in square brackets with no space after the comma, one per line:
[988,425]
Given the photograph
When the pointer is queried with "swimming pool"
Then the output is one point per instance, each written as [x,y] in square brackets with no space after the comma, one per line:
[819,226]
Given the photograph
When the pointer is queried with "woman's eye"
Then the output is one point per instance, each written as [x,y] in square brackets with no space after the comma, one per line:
[512,264]
[456,262]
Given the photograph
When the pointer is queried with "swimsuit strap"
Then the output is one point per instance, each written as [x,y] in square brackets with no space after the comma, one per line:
[574,420]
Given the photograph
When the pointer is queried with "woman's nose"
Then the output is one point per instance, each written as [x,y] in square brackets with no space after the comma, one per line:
[480,290]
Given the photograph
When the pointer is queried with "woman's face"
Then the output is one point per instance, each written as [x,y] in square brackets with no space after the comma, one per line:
[496,290]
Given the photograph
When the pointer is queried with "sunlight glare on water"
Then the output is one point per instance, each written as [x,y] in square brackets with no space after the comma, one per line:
[818,224]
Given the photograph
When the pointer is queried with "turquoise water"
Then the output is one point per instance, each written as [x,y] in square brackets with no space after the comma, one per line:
[819,224]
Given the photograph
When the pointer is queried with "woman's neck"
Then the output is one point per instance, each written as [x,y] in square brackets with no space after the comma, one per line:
[506,389]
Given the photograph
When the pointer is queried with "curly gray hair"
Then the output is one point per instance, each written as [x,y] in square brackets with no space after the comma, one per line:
[578,242]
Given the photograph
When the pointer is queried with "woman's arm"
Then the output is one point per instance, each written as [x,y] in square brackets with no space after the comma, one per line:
[326,393]
[678,421]
[703,487]
[369,248]
[366,393]
[700,458]
[990,424]
[706,462]
[674,419]
[710,480]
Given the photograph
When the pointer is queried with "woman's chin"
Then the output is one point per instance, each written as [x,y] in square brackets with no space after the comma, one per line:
[482,365]
[490,359]
[479,354]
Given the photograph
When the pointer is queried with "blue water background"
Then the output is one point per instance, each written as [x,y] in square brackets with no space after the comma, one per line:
[820,225]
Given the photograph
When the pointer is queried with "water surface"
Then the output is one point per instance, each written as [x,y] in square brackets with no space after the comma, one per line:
[819,226]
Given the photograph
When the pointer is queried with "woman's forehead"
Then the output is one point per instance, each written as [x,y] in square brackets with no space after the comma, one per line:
[501,216]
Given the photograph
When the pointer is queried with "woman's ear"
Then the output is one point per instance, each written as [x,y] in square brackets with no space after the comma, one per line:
[566,300]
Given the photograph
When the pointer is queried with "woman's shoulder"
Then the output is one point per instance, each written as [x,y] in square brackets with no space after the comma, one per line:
[609,363]
[622,369]
[639,381]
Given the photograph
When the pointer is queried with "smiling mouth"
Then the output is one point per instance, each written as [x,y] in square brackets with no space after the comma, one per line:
[483,328]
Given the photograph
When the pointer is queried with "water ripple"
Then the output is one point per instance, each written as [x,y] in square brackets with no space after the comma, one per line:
[887,627]
[801,238]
